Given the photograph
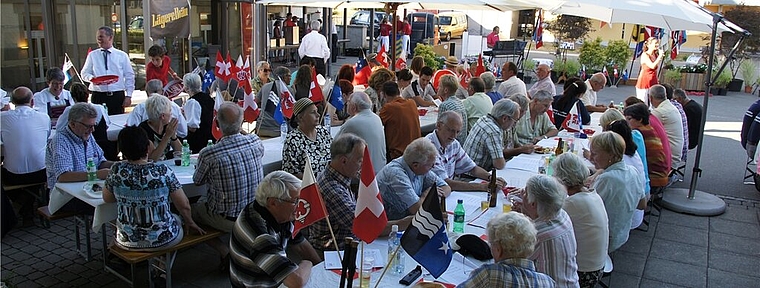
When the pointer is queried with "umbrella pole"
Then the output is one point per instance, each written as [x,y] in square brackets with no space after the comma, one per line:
[683,200]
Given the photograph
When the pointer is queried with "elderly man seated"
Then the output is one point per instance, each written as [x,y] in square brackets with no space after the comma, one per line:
[543,73]
[262,233]
[594,84]
[452,159]
[556,247]
[512,238]
[347,152]
[366,125]
[406,180]
[140,113]
[484,142]
[535,125]
[671,121]
[69,149]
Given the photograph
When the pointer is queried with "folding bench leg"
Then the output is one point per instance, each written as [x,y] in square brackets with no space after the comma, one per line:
[168,261]
[82,219]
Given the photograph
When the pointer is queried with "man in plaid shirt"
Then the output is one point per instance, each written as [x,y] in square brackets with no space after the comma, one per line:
[484,142]
[232,168]
[347,152]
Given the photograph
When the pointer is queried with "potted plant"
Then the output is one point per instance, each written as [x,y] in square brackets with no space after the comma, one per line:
[748,69]
[673,77]
[558,70]
[617,54]
[572,67]
[721,82]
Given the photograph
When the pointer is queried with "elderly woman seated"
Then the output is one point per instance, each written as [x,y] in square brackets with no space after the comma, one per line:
[619,185]
[512,238]
[657,150]
[142,191]
[556,247]
[307,139]
[586,210]
[161,128]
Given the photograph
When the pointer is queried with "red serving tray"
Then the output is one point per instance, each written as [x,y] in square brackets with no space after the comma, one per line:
[105,80]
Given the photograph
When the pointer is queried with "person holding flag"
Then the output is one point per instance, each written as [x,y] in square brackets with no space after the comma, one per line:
[512,239]
[53,100]
[262,233]
[335,185]
[159,66]
[569,105]
[650,63]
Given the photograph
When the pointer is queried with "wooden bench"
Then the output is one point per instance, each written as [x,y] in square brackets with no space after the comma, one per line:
[133,258]
[46,217]
[36,190]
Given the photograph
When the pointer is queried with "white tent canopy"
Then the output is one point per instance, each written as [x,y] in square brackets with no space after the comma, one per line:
[434,4]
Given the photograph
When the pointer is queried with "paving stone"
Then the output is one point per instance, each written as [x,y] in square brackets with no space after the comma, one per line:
[735,263]
[79,282]
[637,244]
[684,219]
[43,265]
[28,284]
[47,281]
[675,273]
[619,280]
[679,252]
[30,249]
[742,214]
[648,283]
[735,228]
[24,270]
[65,276]
[686,235]
[630,263]
[62,285]
[36,275]
[717,278]
[736,244]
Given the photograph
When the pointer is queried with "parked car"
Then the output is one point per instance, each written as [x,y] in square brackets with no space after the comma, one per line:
[361,17]
[453,24]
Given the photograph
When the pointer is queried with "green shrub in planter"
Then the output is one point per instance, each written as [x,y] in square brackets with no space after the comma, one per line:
[723,79]
[749,71]
[617,53]
[592,54]
[431,59]
[672,75]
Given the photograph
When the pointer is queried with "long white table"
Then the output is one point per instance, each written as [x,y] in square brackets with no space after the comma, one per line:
[62,193]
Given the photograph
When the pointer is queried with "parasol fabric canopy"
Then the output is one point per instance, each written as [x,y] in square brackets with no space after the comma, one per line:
[501,5]
[670,14]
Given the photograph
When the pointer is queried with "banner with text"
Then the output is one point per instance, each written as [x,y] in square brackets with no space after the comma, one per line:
[170,18]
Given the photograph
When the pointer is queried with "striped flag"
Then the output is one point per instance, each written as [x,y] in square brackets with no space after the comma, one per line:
[66,67]
[538,32]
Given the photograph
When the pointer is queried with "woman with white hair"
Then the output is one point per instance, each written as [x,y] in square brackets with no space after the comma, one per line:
[199,111]
[512,238]
[586,210]
[556,247]
[161,128]
[619,185]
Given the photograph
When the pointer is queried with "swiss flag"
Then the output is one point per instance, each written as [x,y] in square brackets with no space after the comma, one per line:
[480,69]
[241,73]
[400,63]
[222,69]
[315,91]
[250,108]
[382,57]
[218,101]
[369,217]
[310,207]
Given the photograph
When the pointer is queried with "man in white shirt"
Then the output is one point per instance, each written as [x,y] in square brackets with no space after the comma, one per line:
[155,88]
[543,72]
[110,61]
[511,85]
[594,84]
[314,45]
[420,90]
[368,126]
[671,121]
[24,135]
[53,100]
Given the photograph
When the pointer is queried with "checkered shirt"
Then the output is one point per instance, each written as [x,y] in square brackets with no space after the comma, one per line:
[484,144]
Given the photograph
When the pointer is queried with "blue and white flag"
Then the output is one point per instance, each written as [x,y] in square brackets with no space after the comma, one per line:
[425,239]
[67,65]
[336,97]
[208,79]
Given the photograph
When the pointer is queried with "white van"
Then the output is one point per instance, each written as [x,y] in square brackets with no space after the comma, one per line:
[453,24]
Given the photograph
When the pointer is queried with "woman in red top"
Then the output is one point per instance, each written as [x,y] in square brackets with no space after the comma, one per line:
[650,61]
[159,66]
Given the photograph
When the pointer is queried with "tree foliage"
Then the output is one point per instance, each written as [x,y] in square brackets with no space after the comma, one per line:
[569,28]
[593,54]
[618,53]
[747,17]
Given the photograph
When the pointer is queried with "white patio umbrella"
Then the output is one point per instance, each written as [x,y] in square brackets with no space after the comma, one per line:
[405,4]
[671,14]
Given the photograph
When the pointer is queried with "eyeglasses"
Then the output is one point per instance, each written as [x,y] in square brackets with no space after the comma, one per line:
[266,70]
[293,201]
[86,126]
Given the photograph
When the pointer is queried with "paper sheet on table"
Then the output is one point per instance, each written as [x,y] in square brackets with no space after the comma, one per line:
[482,219]
[470,201]
[518,182]
[333,262]
[458,270]
[437,102]
[529,164]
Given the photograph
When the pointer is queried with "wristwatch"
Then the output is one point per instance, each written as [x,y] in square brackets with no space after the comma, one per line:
[545,137]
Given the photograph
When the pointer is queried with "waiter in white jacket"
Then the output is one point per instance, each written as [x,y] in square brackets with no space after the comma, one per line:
[110,61]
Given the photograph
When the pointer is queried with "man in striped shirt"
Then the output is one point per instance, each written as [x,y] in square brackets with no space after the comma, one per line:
[263,232]
[452,159]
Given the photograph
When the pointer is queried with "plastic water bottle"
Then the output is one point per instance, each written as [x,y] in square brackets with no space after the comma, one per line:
[92,174]
[459,217]
[393,242]
[283,132]
[400,256]
[185,153]
[327,121]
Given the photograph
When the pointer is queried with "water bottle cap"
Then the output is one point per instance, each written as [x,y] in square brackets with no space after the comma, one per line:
[399,234]
[394,228]
[459,201]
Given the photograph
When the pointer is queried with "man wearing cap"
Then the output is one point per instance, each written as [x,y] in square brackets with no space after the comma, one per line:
[543,72]
[314,45]
[110,61]
[451,66]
